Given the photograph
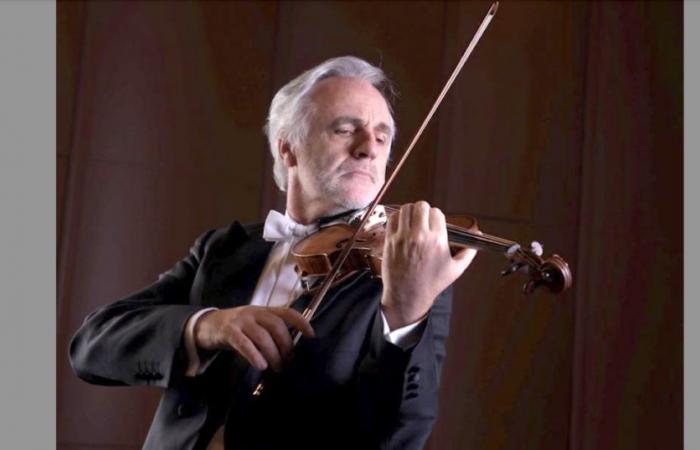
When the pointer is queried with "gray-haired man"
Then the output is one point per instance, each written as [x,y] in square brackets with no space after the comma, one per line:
[366,373]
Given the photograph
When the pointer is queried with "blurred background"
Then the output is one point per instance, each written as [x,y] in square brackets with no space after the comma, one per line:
[565,127]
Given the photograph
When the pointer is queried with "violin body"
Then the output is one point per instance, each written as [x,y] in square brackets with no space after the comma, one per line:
[315,255]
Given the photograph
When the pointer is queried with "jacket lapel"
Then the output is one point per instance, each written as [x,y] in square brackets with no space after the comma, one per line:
[234,267]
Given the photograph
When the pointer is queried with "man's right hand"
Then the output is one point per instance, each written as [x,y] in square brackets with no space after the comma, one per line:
[260,334]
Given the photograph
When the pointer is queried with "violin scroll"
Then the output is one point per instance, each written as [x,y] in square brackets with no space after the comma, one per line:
[553,273]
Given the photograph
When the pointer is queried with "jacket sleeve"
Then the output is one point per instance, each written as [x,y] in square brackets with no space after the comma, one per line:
[138,340]
[400,387]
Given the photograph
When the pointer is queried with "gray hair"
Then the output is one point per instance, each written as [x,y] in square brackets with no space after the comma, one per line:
[288,118]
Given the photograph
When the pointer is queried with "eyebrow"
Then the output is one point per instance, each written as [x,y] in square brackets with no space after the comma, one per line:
[357,122]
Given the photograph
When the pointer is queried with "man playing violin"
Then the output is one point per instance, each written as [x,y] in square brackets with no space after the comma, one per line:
[366,372]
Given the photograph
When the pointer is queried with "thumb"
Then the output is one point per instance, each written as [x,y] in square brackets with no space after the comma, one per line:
[463,259]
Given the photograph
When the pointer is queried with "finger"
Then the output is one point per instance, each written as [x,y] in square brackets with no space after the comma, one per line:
[279,332]
[294,318]
[420,218]
[405,218]
[265,344]
[245,347]
[437,220]
[392,223]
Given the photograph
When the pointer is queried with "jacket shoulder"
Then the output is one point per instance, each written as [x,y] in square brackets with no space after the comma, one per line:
[227,237]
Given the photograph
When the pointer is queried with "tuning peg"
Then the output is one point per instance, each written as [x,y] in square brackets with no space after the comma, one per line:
[513,268]
[536,248]
[530,286]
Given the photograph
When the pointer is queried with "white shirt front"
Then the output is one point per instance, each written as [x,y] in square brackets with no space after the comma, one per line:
[279,284]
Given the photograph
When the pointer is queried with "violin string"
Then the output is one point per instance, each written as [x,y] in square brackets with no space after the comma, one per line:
[481,246]
[470,236]
[478,245]
[479,237]
[475,238]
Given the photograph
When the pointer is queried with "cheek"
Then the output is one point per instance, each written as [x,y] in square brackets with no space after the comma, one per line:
[324,155]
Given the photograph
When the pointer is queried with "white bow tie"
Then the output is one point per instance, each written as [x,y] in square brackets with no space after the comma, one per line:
[279,227]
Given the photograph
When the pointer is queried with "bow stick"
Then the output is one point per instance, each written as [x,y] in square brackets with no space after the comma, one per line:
[335,269]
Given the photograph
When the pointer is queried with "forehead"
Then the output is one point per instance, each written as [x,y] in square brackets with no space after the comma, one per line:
[344,95]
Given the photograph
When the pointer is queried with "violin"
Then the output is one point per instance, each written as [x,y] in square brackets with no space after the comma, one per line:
[316,254]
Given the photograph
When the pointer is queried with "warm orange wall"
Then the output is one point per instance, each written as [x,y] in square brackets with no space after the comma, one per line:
[564,127]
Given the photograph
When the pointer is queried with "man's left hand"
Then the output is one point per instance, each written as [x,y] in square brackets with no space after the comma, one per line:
[417,264]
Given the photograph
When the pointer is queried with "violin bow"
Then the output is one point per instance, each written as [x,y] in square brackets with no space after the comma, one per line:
[335,269]
[316,301]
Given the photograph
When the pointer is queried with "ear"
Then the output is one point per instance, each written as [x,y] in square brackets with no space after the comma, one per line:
[286,152]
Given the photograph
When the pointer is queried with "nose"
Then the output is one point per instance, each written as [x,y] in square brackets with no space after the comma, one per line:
[366,145]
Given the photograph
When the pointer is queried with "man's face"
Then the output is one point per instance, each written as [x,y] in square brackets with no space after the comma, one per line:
[342,163]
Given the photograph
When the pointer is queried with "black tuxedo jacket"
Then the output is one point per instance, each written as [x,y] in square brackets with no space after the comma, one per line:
[346,388]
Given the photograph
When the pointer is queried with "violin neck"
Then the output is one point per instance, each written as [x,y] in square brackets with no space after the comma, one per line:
[463,237]
[482,242]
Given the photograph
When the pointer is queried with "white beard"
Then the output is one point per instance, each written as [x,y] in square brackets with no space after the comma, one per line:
[330,185]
